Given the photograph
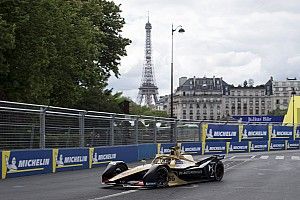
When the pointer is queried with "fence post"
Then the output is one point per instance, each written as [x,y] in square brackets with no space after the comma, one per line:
[42,127]
[112,130]
[175,130]
[155,131]
[81,129]
[199,131]
[136,130]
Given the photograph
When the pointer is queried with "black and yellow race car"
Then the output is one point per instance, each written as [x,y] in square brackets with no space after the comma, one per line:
[165,170]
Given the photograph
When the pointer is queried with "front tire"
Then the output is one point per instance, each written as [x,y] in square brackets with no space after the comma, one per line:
[157,176]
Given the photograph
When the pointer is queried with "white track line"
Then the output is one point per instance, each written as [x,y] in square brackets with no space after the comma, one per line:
[279,157]
[252,157]
[264,157]
[115,195]
[295,157]
[232,157]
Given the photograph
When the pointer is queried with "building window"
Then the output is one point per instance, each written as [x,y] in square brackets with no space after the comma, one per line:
[184,105]
[191,105]
[277,101]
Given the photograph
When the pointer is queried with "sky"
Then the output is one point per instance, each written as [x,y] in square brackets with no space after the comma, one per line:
[234,39]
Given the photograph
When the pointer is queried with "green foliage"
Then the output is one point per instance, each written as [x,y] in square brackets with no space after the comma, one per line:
[144,110]
[60,53]
[278,112]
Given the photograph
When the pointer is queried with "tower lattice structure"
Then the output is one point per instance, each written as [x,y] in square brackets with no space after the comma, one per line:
[148,91]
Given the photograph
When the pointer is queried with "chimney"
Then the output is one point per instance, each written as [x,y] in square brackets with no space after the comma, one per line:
[182,80]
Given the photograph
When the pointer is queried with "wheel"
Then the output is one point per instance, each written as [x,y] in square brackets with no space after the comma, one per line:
[218,171]
[162,177]
[113,169]
[119,169]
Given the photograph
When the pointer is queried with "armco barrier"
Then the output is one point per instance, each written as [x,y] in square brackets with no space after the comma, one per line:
[23,163]
[100,156]
[70,159]
[146,151]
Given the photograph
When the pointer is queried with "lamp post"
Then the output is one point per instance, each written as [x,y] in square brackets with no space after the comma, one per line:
[293,96]
[180,30]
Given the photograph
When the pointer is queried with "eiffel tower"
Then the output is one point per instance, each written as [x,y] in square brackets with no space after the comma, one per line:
[148,91]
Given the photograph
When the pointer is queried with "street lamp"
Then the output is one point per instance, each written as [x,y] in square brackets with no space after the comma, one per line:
[293,95]
[180,30]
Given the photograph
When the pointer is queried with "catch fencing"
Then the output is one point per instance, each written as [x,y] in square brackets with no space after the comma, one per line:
[29,126]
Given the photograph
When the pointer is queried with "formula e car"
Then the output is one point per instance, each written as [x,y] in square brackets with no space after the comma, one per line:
[165,170]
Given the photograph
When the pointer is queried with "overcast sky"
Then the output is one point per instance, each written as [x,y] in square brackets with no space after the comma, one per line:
[233,39]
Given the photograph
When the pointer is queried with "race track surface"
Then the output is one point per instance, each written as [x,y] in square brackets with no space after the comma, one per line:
[267,175]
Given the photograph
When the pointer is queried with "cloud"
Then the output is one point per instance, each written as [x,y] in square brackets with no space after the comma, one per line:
[233,39]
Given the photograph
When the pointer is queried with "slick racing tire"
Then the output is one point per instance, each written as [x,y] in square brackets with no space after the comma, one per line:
[162,177]
[156,177]
[113,170]
[218,171]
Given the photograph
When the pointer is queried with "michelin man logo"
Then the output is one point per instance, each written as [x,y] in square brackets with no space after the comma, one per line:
[230,148]
[252,147]
[60,161]
[206,148]
[274,133]
[245,134]
[11,166]
[209,134]
[298,133]
[95,158]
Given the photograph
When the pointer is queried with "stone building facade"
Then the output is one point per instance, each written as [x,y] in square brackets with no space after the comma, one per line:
[214,99]
[282,91]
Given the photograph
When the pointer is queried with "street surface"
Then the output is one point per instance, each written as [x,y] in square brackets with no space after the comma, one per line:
[266,175]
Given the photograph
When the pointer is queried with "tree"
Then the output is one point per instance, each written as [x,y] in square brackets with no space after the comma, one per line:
[245,83]
[63,52]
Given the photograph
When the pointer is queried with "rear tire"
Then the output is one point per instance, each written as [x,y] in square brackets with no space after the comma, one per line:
[218,171]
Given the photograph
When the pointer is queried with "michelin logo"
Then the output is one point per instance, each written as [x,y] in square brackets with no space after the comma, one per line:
[101,157]
[297,133]
[259,146]
[281,133]
[277,146]
[14,165]
[237,148]
[255,133]
[190,149]
[211,134]
[70,159]
[163,151]
[212,149]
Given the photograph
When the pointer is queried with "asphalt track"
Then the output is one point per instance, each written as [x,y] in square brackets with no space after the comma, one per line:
[263,176]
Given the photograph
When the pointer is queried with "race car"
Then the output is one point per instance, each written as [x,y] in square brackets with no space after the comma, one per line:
[165,170]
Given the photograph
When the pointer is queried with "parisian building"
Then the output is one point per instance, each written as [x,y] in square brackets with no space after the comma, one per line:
[283,92]
[214,99]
